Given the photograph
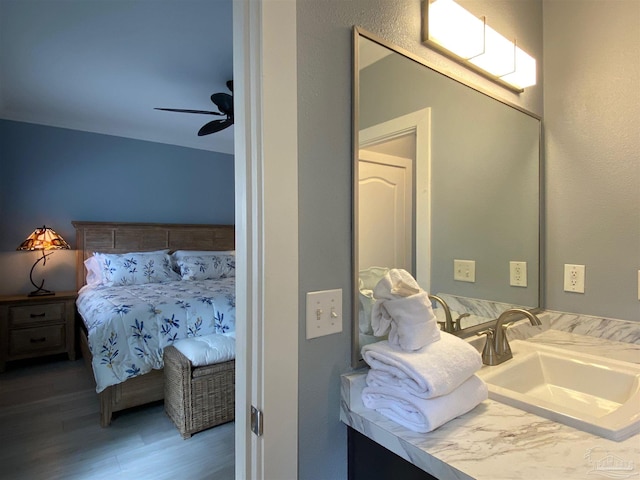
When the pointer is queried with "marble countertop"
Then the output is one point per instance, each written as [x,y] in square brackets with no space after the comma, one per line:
[495,441]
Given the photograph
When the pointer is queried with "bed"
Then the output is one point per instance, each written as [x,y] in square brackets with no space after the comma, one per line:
[137,386]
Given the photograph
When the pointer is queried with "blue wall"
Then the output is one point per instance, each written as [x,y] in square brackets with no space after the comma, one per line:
[53,176]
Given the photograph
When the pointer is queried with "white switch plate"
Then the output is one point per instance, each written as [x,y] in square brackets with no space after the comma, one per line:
[324,313]
[574,278]
[464,270]
[518,274]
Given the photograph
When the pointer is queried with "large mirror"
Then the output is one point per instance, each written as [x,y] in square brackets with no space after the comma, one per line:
[446,186]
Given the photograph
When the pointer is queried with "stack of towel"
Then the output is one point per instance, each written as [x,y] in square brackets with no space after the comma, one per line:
[403,310]
[422,390]
[420,377]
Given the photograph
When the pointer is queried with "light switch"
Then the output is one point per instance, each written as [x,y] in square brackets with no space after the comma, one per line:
[464,270]
[324,313]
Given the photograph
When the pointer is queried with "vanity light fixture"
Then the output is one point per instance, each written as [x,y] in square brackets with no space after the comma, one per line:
[42,239]
[450,29]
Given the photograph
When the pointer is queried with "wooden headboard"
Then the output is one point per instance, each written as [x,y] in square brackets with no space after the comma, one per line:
[120,237]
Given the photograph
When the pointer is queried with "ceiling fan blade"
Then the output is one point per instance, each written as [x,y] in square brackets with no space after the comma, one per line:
[224,102]
[230,85]
[182,110]
[214,126]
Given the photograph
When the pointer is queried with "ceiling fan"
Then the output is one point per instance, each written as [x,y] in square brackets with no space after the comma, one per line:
[224,102]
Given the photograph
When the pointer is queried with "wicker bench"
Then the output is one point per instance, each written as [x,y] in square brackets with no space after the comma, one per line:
[197,398]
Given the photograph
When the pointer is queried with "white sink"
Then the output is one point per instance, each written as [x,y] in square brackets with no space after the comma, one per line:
[594,394]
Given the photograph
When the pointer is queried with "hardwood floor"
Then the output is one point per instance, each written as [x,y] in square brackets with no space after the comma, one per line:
[49,429]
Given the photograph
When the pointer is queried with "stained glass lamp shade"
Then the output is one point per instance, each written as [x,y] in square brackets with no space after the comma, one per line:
[43,238]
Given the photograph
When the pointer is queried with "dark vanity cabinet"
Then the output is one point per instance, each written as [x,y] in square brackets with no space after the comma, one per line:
[370,461]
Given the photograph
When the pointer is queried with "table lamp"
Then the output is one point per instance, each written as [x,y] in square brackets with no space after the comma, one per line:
[42,239]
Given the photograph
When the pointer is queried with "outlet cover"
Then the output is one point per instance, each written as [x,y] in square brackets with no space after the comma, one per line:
[574,278]
[518,274]
[324,313]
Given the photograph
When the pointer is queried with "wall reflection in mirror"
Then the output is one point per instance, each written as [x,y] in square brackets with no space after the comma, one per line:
[442,173]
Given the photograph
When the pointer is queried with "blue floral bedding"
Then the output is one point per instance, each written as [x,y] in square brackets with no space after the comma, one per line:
[129,326]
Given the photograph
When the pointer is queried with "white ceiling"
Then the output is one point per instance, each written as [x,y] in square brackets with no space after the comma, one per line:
[103,65]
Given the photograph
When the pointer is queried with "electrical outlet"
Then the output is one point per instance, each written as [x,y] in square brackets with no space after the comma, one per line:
[464,270]
[518,274]
[324,313]
[574,278]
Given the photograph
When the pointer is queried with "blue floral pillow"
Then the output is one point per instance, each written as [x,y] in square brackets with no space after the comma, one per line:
[205,265]
[136,268]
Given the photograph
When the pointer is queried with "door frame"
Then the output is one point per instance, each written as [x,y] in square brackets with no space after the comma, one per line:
[266,149]
[419,124]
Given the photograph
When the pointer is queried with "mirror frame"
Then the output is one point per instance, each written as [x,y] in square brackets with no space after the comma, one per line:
[356,358]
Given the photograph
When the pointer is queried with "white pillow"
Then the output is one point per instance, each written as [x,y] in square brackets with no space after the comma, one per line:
[136,268]
[205,265]
[94,273]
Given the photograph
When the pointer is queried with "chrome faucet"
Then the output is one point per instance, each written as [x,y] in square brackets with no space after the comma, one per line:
[450,325]
[497,349]
[448,320]
[457,324]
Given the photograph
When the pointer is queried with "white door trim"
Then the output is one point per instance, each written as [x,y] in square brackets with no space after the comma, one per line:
[266,149]
[419,123]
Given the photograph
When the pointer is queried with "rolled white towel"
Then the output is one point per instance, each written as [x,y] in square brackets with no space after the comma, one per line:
[404,310]
[424,415]
[413,323]
[432,371]
[366,302]
[380,319]
[396,283]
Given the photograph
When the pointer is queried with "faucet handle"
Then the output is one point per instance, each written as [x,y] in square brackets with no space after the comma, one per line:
[489,356]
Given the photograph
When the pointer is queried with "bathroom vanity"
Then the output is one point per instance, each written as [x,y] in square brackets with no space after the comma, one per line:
[407,108]
[496,441]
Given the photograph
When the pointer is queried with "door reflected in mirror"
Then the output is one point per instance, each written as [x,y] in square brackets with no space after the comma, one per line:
[442,172]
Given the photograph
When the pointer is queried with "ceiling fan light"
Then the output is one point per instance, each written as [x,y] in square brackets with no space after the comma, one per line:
[223,101]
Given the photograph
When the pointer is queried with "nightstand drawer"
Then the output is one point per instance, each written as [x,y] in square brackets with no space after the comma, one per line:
[25,315]
[27,340]
[36,326]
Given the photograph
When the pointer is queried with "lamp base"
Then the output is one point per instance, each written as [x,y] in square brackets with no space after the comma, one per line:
[41,293]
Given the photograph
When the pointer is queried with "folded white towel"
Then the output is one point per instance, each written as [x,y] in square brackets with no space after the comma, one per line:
[432,371]
[404,310]
[424,415]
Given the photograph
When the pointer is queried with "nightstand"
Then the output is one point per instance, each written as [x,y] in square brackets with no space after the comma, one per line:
[37,326]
